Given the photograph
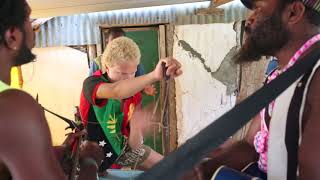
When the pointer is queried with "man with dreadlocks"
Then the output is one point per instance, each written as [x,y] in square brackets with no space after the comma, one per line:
[287,147]
[26,150]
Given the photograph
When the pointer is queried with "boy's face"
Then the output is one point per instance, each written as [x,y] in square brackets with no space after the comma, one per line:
[122,71]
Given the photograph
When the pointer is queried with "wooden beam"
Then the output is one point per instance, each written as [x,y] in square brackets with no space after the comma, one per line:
[217,3]
[162,41]
[173,144]
[213,8]
[209,11]
[64,8]
[163,86]
[132,25]
[92,51]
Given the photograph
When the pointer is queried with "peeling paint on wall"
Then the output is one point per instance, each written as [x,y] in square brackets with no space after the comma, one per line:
[204,91]
[186,47]
[227,72]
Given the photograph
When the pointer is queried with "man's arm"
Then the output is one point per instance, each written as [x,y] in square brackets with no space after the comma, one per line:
[25,139]
[235,155]
[309,158]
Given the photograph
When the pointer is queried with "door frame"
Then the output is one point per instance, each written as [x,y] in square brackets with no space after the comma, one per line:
[169,119]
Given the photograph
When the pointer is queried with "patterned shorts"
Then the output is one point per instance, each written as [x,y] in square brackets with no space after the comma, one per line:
[131,158]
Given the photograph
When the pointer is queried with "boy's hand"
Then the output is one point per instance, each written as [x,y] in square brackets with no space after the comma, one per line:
[150,90]
[140,125]
[173,68]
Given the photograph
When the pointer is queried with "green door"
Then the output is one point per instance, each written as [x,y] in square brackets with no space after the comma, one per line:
[147,40]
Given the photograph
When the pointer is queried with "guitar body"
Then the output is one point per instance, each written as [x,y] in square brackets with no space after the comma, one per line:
[225,173]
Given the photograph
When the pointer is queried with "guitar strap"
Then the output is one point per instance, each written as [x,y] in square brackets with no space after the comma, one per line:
[191,152]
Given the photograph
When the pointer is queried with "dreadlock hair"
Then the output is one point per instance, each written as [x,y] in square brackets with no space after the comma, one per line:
[13,13]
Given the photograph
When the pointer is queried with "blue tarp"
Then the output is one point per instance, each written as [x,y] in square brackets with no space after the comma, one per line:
[115,174]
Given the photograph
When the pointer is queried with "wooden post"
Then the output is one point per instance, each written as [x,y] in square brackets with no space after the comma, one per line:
[170,136]
[91,52]
[163,91]
[99,49]
[252,76]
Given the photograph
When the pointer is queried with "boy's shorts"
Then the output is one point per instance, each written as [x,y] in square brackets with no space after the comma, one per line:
[133,158]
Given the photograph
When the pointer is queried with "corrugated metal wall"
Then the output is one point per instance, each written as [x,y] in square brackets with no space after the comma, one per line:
[83,29]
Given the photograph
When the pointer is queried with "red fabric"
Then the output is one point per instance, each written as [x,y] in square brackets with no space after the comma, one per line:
[94,93]
[102,102]
[115,166]
[84,106]
[135,100]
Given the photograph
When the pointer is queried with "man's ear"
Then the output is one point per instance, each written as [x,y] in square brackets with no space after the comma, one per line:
[13,38]
[295,12]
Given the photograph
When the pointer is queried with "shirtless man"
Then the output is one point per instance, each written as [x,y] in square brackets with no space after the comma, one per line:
[26,150]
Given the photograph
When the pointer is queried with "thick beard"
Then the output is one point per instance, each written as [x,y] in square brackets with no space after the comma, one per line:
[266,39]
[24,55]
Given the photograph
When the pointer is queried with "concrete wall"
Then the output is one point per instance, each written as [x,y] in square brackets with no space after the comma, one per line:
[57,77]
[205,90]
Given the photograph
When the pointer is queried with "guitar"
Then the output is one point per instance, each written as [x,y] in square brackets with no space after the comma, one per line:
[225,173]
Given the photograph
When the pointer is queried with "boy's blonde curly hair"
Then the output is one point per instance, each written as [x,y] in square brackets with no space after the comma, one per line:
[120,50]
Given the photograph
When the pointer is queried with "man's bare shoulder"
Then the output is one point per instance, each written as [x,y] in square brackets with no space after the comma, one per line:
[17,103]
[309,148]
[313,97]
[21,117]
[25,138]
[16,94]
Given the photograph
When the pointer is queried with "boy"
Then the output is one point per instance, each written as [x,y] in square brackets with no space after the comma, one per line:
[109,98]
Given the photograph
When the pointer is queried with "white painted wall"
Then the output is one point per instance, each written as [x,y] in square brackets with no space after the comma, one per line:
[57,76]
[200,98]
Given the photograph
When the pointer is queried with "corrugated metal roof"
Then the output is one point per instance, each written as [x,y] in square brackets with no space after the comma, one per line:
[233,11]
[83,29]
